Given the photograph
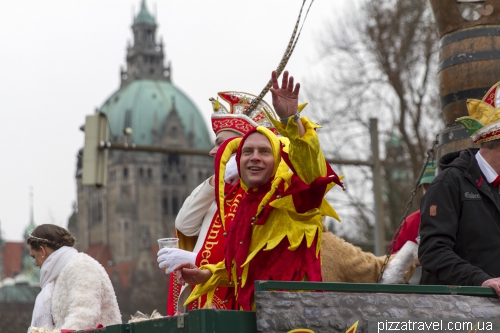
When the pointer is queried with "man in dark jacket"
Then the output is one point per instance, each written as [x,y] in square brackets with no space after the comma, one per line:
[460,223]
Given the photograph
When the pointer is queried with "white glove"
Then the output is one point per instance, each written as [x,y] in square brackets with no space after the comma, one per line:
[400,264]
[169,258]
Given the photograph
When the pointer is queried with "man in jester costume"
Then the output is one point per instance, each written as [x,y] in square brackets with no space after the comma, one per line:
[273,214]
[198,224]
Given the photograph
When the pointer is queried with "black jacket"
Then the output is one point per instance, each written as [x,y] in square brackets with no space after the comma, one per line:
[460,225]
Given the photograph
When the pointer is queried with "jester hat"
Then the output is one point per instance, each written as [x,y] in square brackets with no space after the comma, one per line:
[483,122]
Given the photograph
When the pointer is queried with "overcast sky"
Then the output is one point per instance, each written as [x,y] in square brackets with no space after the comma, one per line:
[61,59]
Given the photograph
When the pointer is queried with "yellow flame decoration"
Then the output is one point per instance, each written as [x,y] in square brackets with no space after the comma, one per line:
[353,328]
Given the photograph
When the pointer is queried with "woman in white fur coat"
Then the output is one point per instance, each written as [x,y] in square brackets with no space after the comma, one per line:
[76,291]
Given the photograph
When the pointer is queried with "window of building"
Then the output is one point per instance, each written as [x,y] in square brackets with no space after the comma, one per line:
[125,192]
[175,205]
[165,204]
[99,211]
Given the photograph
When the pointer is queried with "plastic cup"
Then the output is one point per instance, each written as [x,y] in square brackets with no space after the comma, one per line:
[168,242]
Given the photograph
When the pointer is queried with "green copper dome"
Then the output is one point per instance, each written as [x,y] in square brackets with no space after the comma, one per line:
[143,105]
[144,16]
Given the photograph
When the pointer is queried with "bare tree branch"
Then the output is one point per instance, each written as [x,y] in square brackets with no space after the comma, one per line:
[380,61]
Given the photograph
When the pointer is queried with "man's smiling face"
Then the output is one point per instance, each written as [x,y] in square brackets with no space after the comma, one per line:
[256,161]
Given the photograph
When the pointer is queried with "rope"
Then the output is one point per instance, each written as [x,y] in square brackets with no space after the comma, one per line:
[284,60]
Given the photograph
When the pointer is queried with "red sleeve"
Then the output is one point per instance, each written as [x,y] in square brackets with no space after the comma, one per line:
[408,232]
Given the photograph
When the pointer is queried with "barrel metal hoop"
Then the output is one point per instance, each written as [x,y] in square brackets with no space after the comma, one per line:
[477,93]
[468,57]
[471,33]
[455,134]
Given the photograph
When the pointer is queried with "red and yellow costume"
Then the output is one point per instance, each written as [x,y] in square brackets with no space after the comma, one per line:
[273,232]
[210,242]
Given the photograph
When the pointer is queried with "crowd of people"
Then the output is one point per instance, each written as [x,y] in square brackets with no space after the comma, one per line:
[260,217]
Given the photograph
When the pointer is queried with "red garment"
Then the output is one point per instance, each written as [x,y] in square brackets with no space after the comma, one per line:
[173,296]
[496,182]
[63,330]
[408,232]
[266,265]
[212,250]
[301,263]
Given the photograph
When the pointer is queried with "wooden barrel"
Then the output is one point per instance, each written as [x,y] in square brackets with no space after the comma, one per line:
[469,64]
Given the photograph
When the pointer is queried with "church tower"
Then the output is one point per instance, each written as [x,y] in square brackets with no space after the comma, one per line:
[145,56]
[28,269]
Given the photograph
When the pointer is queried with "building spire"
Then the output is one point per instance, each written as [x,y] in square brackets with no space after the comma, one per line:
[145,58]
[2,240]
[27,268]
[144,15]
[32,224]
[2,264]
[31,206]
